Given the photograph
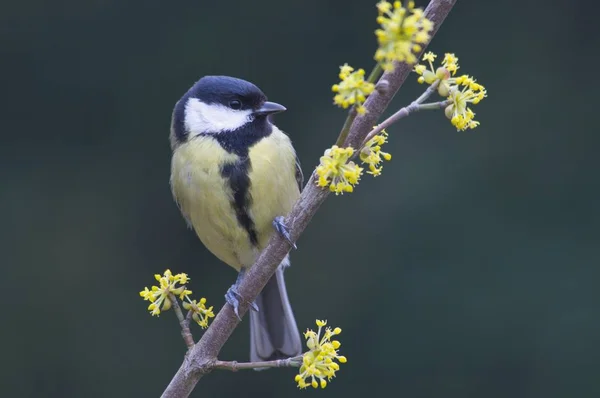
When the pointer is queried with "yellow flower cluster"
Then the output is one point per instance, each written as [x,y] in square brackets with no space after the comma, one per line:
[200,313]
[336,171]
[460,115]
[160,297]
[352,89]
[318,363]
[459,91]
[372,154]
[403,31]
[429,76]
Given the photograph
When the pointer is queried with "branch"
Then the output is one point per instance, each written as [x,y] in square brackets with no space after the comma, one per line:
[434,105]
[234,366]
[183,322]
[407,110]
[428,92]
[201,358]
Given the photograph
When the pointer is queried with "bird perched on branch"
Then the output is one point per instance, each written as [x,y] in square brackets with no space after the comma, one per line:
[234,175]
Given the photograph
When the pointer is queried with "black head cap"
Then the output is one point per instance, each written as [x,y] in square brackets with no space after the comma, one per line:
[224,89]
[227,91]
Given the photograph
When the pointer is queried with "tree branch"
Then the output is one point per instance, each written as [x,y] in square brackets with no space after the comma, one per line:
[184,322]
[234,366]
[402,113]
[202,357]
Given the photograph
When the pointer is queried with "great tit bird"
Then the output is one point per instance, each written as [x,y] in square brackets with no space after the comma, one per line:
[234,175]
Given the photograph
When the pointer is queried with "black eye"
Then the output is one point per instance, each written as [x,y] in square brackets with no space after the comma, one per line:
[235,104]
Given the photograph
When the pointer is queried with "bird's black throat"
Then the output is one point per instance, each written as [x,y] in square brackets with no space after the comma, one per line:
[239,141]
[237,173]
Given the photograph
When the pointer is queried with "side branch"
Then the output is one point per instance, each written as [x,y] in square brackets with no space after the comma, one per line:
[202,357]
[404,112]
[184,322]
[234,366]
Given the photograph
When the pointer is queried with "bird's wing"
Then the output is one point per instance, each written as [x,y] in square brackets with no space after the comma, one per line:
[299,175]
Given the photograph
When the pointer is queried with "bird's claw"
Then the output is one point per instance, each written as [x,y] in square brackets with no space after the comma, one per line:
[254,306]
[233,297]
[283,230]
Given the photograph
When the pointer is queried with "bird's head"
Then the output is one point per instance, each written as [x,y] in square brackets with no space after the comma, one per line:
[220,104]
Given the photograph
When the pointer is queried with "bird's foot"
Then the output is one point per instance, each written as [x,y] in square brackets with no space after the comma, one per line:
[234,298]
[283,230]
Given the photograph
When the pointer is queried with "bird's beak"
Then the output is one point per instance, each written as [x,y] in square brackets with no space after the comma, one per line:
[268,108]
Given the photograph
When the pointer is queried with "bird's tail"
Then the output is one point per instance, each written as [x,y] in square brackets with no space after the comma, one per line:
[273,330]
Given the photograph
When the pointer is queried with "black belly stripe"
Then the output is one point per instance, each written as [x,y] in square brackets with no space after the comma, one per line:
[239,142]
[239,182]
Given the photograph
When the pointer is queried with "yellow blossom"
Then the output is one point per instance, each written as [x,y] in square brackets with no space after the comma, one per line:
[336,171]
[443,74]
[352,89]
[429,56]
[372,155]
[318,364]
[460,115]
[450,62]
[431,75]
[459,91]
[200,313]
[402,33]
[159,295]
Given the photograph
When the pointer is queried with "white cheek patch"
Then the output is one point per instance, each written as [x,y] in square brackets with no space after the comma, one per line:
[213,118]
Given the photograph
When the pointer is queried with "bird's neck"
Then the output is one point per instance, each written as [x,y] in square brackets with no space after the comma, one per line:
[240,140]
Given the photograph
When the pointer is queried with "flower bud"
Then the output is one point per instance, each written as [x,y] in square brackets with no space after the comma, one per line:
[442,73]
[443,89]
[429,76]
[449,111]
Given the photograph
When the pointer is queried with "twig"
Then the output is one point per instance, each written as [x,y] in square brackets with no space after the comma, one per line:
[201,358]
[434,105]
[428,92]
[184,322]
[402,113]
[346,127]
[415,106]
[234,366]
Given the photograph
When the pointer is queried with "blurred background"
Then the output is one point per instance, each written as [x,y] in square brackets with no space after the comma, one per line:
[468,269]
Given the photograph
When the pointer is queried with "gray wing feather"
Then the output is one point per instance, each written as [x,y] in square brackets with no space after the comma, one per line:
[299,175]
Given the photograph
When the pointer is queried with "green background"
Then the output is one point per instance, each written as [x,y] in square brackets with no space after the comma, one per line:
[468,269]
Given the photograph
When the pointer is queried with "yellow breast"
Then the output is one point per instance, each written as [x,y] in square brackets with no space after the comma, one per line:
[205,196]
[274,189]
